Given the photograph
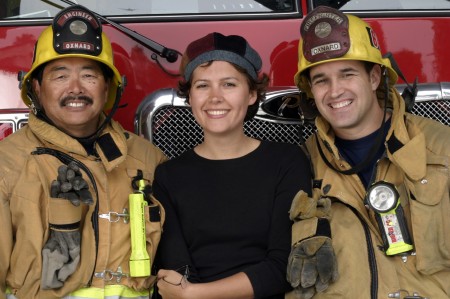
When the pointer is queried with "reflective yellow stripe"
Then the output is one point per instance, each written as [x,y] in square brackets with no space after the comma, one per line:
[109,292]
[9,294]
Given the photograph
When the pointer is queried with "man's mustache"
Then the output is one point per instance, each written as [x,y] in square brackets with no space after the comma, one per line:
[67,99]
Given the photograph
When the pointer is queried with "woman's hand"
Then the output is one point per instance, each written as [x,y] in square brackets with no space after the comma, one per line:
[172,284]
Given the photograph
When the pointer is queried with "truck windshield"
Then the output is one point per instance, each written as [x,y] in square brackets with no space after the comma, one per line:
[29,9]
[383,5]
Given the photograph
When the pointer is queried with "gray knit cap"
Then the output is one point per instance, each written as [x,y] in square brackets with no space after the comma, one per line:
[216,46]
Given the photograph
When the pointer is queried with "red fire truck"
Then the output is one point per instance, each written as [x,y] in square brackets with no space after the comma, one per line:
[149,36]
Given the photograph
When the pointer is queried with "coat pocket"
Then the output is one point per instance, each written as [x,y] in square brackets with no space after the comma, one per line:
[430,215]
[154,220]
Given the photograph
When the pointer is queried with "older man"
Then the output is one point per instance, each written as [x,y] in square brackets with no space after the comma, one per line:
[66,177]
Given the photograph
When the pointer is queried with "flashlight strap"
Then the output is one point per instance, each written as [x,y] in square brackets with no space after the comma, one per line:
[374,172]
[115,106]
[360,166]
[109,116]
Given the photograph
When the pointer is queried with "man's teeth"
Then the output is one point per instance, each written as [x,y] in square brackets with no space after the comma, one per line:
[340,104]
[75,105]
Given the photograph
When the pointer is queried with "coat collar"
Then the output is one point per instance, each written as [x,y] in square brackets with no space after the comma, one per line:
[111,145]
[403,143]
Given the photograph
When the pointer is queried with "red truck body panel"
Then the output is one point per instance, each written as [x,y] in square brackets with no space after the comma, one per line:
[420,46]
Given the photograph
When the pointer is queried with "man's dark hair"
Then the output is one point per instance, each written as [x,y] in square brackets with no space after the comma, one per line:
[368,66]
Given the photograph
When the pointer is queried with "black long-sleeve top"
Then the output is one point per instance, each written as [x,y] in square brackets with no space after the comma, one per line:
[230,216]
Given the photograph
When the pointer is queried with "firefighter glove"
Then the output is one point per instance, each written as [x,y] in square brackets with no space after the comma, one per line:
[312,263]
[60,257]
[70,185]
[312,266]
[305,207]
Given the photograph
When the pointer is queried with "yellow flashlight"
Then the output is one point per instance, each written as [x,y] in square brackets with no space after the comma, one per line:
[139,259]
[383,198]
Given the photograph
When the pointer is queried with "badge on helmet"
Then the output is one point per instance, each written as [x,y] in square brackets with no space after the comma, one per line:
[325,35]
[77,31]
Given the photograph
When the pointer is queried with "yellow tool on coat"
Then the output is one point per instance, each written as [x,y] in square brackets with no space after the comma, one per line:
[383,198]
[139,259]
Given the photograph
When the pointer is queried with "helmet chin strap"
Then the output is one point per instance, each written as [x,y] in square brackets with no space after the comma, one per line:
[35,107]
[373,150]
[110,115]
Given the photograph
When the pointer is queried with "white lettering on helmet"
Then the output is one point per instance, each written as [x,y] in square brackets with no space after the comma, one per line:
[325,48]
[76,13]
[78,45]
[323,15]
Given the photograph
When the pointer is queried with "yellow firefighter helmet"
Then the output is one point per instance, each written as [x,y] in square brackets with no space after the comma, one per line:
[75,32]
[329,35]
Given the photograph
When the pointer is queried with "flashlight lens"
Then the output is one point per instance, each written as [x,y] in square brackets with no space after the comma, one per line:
[382,198]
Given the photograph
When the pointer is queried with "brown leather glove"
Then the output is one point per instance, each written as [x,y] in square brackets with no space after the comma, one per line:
[305,207]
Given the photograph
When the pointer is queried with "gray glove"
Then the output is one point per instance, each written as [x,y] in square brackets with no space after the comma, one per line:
[70,185]
[60,257]
[312,266]
[61,252]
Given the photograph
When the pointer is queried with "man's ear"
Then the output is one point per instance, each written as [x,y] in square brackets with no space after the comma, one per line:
[35,87]
[375,76]
[108,83]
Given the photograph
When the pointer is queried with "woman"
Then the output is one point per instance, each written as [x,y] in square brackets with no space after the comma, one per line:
[227,230]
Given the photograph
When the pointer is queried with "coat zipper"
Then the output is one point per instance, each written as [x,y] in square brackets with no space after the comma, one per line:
[66,159]
[370,255]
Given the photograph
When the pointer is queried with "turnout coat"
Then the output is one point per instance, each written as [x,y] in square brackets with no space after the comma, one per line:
[29,160]
[417,163]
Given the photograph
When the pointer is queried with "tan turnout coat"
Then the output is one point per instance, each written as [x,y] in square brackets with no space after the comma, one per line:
[25,180]
[419,168]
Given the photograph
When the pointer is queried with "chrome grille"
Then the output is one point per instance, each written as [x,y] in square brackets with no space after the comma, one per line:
[175,130]
[438,110]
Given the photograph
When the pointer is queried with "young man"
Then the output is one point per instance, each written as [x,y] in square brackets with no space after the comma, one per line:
[66,177]
[385,173]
